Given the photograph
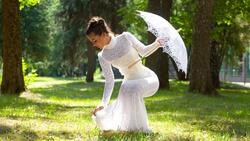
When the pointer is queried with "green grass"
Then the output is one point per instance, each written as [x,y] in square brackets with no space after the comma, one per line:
[59,109]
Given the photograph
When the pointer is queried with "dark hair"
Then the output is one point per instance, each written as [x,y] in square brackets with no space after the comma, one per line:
[97,25]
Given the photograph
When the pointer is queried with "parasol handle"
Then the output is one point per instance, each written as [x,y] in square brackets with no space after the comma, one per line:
[150,52]
[134,63]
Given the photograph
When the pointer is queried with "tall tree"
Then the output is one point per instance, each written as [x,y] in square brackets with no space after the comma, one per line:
[228,29]
[1,33]
[91,65]
[154,7]
[200,79]
[12,81]
[158,61]
[166,6]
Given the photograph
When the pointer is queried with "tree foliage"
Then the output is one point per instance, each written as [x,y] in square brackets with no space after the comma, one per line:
[228,29]
[134,23]
[28,3]
[182,19]
[36,34]
[229,19]
[73,16]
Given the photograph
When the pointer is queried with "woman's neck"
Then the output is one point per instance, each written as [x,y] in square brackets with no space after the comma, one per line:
[109,38]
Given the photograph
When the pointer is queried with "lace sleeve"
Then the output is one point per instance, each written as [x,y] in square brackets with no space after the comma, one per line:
[109,80]
[143,50]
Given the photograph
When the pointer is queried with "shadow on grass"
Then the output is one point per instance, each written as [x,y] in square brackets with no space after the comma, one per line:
[127,136]
[13,111]
[75,91]
[5,129]
[229,85]
[9,132]
[29,135]
[41,110]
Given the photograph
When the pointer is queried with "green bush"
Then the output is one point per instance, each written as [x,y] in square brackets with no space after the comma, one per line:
[29,74]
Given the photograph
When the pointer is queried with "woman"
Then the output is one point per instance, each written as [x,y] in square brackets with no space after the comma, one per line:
[128,112]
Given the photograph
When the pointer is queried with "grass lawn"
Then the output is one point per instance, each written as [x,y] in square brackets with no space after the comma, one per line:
[59,109]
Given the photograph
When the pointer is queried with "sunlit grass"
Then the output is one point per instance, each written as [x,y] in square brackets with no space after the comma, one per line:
[59,109]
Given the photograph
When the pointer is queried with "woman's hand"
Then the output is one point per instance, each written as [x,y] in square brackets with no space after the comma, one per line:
[162,40]
[97,109]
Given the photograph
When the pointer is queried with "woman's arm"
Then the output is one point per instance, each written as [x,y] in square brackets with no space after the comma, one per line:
[143,50]
[109,80]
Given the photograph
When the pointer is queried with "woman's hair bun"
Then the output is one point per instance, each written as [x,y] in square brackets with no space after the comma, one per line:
[97,25]
[101,22]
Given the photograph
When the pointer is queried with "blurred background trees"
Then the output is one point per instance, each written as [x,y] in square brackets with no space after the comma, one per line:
[53,42]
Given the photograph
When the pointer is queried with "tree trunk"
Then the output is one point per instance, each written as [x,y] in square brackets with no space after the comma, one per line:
[115,19]
[201,79]
[91,65]
[217,54]
[153,6]
[180,74]
[163,63]
[158,61]
[166,10]
[12,81]
[215,64]
[72,54]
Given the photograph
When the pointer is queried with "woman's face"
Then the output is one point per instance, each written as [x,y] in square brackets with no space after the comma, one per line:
[98,41]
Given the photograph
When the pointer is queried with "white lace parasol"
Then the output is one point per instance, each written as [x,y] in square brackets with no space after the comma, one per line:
[173,45]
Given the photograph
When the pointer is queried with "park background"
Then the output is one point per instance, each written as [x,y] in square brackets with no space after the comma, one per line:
[51,79]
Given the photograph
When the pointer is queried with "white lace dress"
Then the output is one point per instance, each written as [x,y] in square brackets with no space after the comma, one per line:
[127,112]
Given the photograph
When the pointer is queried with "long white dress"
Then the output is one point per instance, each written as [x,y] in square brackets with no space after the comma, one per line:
[128,111]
